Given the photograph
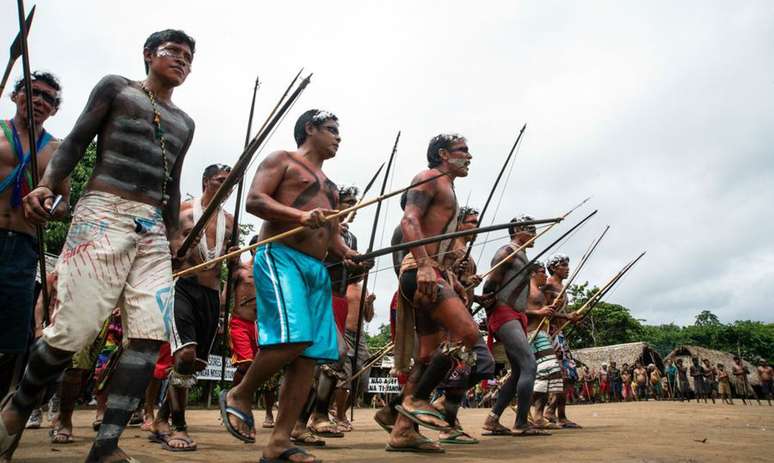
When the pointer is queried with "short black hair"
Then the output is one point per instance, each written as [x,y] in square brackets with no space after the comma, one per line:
[515,227]
[316,117]
[42,76]
[464,212]
[437,143]
[348,192]
[167,35]
[213,169]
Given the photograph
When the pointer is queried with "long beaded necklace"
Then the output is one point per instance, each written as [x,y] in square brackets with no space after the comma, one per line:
[159,134]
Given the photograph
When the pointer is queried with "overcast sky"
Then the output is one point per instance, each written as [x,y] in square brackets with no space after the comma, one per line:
[661,111]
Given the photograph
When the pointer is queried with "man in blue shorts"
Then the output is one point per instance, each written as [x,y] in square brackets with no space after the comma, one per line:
[296,327]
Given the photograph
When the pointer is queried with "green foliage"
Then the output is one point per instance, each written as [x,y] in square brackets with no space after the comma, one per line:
[609,324]
[379,340]
[56,232]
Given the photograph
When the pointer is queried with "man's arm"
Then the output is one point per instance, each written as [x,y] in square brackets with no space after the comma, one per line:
[73,147]
[172,211]
[418,202]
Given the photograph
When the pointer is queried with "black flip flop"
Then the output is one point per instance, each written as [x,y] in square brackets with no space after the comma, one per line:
[225,411]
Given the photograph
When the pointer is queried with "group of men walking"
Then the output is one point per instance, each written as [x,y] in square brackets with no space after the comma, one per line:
[293,313]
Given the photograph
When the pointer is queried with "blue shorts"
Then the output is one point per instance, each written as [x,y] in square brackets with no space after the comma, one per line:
[293,301]
[18,257]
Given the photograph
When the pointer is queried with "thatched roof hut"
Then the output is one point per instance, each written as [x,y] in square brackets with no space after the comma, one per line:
[594,357]
[714,356]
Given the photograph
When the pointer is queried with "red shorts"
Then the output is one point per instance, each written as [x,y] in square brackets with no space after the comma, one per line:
[164,363]
[340,309]
[498,317]
[604,386]
[243,339]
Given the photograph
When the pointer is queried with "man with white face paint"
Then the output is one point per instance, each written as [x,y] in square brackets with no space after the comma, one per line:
[117,251]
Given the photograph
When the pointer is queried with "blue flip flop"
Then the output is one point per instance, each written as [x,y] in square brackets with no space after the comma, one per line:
[247,419]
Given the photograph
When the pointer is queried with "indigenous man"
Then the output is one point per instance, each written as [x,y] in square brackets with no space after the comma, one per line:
[296,328]
[671,374]
[558,267]
[709,379]
[197,306]
[698,380]
[18,250]
[507,320]
[743,387]
[456,383]
[724,385]
[616,384]
[641,378]
[117,250]
[243,335]
[682,380]
[430,292]
[604,384]
[766,376]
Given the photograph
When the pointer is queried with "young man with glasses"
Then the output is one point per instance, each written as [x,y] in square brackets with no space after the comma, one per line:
[117,251]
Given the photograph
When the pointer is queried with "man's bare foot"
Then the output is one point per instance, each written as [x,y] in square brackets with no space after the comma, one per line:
[411,440]
[118,455]
[179,441]
[245,406]
[424,414]
[385,418]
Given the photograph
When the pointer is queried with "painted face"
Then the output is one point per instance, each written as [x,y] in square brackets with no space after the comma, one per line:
[172,61]
[326,138]
[525,235]
[459,158]
[44,102]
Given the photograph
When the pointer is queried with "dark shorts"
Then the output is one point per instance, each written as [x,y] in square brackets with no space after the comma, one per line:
[195,321]
[18,257]
[767,388]
[425,324]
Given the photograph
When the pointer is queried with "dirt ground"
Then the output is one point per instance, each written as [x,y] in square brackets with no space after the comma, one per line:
[633,432]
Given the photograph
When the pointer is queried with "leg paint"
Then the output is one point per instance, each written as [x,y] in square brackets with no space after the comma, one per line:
[128,384]
[435,372]
[45,365]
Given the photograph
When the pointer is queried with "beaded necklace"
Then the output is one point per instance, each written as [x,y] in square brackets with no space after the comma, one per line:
[159,134]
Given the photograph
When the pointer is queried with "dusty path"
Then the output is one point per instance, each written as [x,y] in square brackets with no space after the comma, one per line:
[634,432]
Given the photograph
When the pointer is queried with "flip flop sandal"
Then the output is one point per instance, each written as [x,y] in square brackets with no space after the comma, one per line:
[308,439]
[284,457]
[344,426]
[190,444]
[570,425]
[158,437]
[421,445]
[529,432]
[326,430]
[267,424]
[8,443]
[498,430]
[58,437]
[454,438]
[414,416]
[225,411]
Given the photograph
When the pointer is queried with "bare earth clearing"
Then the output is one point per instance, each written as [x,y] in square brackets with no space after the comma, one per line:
[631,432]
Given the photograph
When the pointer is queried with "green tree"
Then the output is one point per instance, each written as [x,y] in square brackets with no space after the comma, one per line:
[56,232]
[379,340]
[707,318]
